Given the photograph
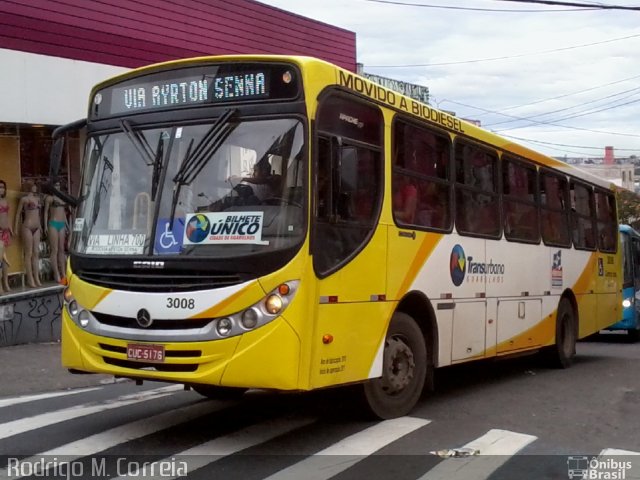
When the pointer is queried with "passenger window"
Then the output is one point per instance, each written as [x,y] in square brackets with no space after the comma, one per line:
[554,209]
[582,216]
[606,221]
[520,202]
[477,206]
[349,186]
[421,185]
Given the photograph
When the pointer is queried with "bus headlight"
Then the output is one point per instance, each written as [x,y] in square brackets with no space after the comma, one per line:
[264,311]
[67,295]
[249,319]
[224,326]
[273,304]
[73,308]
[626,303]
[83,318]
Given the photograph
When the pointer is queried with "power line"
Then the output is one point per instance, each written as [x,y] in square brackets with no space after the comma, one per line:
[544,123]
[598,6]
[552,122]
[506,57]
[568,145]
[546,145]
[635,91]
[506,10]
[569,94]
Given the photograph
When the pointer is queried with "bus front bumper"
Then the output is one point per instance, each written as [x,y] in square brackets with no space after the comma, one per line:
[267,357]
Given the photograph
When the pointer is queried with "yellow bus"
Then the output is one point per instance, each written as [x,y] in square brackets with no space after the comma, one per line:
[276,222]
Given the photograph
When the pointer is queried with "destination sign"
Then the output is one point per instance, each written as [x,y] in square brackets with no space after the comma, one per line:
[194,86]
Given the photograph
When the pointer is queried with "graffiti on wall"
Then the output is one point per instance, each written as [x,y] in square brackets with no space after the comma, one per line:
[31,319]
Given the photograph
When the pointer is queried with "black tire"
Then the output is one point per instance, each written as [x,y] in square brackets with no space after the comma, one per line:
[214,392]
[633,335]
[562,353]
[404,370]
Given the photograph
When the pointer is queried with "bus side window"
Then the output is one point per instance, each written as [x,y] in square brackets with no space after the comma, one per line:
[606,221]
[421,184]
[554,209]
[477,206]
[582,216]
[520,202]
[349,184]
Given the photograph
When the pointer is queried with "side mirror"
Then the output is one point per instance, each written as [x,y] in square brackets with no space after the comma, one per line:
[58,145]
[55,158]
[49,189]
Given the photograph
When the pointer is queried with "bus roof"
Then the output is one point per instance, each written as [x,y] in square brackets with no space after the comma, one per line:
[629,230]
[472,131]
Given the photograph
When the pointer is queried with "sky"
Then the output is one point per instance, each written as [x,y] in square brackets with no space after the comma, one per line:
[560,80]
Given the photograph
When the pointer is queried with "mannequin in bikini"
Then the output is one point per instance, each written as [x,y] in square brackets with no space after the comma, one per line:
[55,219]
[29,228]
[5,236]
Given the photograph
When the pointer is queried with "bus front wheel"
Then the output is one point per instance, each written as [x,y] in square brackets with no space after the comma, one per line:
[404,370]
[562,353]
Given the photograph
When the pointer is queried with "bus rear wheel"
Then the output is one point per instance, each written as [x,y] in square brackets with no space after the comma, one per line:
[564,350]
[404,370]
[214,392]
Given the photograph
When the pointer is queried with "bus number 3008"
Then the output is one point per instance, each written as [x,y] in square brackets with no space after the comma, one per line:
[186,303]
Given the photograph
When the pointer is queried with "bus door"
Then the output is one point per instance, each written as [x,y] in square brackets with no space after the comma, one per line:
[478,223]
[608,281]
[469,313]
[348,245]
[517,292]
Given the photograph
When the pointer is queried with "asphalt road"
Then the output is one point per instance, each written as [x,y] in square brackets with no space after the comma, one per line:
[36,367]
[523,420]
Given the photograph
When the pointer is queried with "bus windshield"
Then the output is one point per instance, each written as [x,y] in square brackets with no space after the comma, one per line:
[217,189]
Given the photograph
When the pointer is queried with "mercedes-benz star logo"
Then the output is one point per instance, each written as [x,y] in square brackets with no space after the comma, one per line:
[144,318]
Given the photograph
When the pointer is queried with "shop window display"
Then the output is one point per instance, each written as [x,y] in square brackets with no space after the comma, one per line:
[28,261]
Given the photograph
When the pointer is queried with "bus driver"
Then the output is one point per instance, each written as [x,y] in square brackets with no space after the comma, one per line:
[263,183]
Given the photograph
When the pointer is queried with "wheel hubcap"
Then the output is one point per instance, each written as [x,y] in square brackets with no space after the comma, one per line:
[399,366]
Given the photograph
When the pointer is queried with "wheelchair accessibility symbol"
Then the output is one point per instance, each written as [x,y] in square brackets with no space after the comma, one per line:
[169,240]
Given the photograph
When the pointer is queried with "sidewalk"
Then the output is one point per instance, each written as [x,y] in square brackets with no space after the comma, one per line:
[36,367]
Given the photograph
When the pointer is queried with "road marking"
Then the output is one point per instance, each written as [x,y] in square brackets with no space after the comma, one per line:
[57,416]
[615,467]
[212,451]
[349,451]
[6,402]
[495,448]
[615,451]
[124,433]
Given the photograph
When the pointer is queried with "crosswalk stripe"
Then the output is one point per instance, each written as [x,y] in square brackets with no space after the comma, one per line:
[349,451]
[620,469]
[23,425]
[124,433]
[7,402]
[212,451]
[615,451]
[494,449]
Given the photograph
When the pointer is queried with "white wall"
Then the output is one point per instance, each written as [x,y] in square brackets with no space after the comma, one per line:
[38,89]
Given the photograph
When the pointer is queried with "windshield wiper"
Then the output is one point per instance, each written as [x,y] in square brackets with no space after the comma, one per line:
[106,165]
[150,157]
[157,168]
[194,161]
[139,142]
